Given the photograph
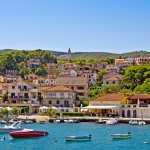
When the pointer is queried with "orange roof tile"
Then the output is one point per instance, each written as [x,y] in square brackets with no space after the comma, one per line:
[110,97]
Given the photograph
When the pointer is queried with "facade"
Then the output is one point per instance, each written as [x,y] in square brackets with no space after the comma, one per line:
[137,106]
[10,76]
[92,78]
[142,60]
[105,105]
[113,79]
[112,68]
[78,84]
[33,63]
[61,97]
[21,94]
[30,77]
[68,73]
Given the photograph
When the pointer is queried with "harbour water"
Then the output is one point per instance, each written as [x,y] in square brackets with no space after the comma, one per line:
[101,139]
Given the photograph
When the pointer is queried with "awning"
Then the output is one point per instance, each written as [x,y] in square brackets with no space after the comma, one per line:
[100,107]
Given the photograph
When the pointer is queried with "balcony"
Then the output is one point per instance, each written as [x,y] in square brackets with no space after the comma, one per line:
[59,97]
[18,97]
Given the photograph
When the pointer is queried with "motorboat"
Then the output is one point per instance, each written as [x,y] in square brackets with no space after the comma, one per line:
[27,133]
[142,123]
[14,127]
[112,121]
[28,121]
[121,136]
[78,138]
[133,122]
[71,121]
[56,121]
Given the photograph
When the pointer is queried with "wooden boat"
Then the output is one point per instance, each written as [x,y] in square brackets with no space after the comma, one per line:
[78,138]
[10,128]
[121,136]
[27,133]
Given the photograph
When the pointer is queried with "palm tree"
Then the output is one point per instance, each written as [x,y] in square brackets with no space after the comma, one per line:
[15,111]
[51,112]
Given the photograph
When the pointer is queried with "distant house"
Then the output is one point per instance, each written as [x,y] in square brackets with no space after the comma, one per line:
[33,63]
[113,79]
[112,68]
[30,77]
[68,73]
[92,77]
[65,56]
[142,60]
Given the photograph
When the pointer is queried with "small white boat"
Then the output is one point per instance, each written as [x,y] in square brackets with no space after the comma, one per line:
[28,121]
[121,136]
[71,121]
[142,122]
[112,121]
[78,138]
[133,122]
[56,121]
[10,128]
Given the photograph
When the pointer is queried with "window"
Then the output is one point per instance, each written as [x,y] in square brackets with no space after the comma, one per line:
[113,82]
[72,88]
[13,87]
[19,87]
[57,102]
[107,82]
[50,102]
[80,88]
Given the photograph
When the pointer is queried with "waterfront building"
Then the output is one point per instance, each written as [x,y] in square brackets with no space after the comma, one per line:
[61,97]
[106,105]
[137,106]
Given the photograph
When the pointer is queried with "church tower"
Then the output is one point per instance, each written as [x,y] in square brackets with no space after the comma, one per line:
[69,53]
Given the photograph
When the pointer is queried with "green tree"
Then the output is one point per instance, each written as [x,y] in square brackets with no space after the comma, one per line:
[51,112]
[15,111]
[5,97]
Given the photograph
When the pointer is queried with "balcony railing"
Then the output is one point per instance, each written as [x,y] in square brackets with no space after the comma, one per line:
[59,97]
[18,97]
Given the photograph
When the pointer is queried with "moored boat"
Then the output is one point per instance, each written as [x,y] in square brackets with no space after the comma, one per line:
[112,121]
[121,136]
[27,133]
[71,121]
[56,121]
[9,128]
[78,138]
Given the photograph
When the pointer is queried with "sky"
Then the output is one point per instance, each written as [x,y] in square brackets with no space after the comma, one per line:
[116,26]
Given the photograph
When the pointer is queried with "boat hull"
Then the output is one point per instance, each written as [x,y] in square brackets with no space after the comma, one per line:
[72,138]
[121,136]
[27,134]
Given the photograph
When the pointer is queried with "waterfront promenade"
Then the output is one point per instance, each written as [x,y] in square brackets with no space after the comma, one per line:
[39,118]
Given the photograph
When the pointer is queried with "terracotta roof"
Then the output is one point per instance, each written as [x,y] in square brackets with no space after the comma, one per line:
[33,84]
[140,96]
[72,81]
[110,97]
[56,88]
[112,79]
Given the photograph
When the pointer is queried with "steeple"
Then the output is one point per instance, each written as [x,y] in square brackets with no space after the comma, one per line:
[69,51]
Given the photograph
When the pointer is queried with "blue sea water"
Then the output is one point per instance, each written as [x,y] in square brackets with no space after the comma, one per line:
[101,139]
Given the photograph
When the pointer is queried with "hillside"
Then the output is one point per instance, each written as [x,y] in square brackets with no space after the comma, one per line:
[94,55]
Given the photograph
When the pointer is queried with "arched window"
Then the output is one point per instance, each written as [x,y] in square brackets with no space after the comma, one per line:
[123,113]
[134,113]
[128,114]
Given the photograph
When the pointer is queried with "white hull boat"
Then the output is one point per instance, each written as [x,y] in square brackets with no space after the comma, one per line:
[121,136]
[112,121]
[10,128]
[71,121]
[56,121]
[135,122]
[78,138]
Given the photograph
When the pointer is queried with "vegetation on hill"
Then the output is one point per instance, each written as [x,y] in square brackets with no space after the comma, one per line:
[16,60]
